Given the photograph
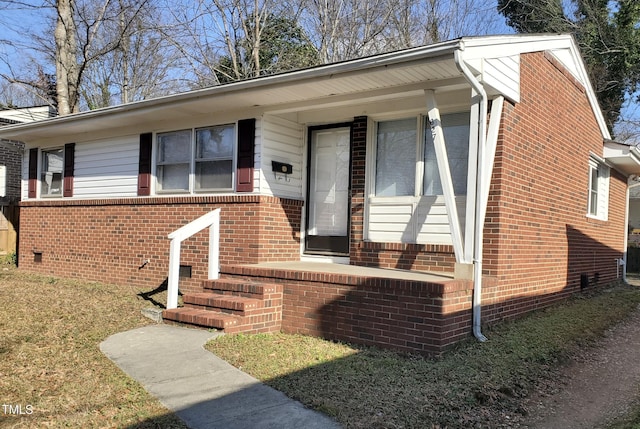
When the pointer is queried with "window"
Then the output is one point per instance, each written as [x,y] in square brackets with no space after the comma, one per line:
[396,158]
[598,198]
[51,172]
[398,149]
[195,160]
[455,128]
[214,157]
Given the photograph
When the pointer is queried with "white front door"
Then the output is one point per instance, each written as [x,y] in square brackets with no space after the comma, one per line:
[328,199]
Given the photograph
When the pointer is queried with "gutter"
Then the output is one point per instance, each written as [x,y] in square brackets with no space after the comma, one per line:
[479,212]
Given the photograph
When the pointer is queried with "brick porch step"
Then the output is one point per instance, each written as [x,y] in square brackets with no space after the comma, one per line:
[232,305]
[212,301]
[206,318]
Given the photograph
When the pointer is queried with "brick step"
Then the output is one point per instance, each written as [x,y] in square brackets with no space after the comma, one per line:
[206,318]
[241,287]
[232,305]
[240,305]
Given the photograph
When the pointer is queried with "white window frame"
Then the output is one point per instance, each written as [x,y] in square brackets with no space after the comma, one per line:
[192,188]
[599,189]
[41,172]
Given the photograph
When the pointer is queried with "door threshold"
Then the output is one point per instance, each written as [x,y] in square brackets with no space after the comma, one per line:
[329,259]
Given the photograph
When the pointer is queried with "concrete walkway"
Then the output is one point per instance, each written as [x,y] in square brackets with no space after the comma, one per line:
[202,389]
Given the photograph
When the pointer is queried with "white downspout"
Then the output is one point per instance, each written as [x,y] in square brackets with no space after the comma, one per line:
[479,217]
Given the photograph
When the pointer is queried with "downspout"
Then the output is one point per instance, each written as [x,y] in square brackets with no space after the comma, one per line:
[479,212]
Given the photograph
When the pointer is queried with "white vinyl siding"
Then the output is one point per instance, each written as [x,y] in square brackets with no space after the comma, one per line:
[421,220]
[281,141]
[106,168]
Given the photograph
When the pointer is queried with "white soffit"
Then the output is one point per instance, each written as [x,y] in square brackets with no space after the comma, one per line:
[622,157]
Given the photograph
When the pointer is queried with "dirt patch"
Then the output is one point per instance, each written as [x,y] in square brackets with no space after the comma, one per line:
[601,384]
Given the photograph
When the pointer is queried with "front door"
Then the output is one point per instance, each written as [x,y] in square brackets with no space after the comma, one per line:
[328,198]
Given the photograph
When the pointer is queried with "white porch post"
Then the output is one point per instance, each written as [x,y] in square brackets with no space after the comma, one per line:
[490,153]
[214,247]
[174,272]
[445,174]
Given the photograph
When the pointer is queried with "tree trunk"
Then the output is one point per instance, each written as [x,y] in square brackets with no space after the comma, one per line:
[66,62]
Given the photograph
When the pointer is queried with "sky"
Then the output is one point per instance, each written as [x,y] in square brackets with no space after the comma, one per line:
[17,22]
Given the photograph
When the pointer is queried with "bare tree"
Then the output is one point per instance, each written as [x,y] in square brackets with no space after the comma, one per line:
[79,29]
[142,64]
[227,40]
[345,29]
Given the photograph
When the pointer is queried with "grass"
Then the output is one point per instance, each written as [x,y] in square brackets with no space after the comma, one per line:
[50,362]
[50,330]
[473,385]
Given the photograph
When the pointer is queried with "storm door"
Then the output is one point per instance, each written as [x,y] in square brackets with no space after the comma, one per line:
[328,191]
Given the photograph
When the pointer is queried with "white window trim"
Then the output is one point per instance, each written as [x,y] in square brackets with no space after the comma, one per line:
[192,162]
[604,173]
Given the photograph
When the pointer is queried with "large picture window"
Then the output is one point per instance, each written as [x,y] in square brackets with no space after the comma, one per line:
[402,151]
[195,160]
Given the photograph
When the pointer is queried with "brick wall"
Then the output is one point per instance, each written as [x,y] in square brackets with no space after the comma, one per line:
[11,157]
[109,240]
[538,239]
[400,314]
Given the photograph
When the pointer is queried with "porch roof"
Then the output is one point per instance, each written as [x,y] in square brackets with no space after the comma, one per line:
[624,158]
[376,78]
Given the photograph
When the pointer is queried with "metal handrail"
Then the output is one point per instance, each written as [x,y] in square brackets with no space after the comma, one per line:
[210,220]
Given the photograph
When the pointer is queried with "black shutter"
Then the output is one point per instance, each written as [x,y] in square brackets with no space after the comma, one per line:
[144,165]
[246,148]
[33,173]
[69,163]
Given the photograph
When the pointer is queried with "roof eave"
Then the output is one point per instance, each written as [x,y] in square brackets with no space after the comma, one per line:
[395,59]
[622,157]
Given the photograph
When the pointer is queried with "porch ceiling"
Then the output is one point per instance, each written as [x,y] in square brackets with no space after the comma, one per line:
[299,91]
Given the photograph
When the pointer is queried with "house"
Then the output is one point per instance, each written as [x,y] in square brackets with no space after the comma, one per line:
[403,200]
[11,153]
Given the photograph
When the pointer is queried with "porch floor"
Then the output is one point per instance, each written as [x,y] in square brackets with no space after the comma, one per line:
[354,270]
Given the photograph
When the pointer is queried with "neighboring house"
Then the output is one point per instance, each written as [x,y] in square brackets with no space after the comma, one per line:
[11,153]
[474,174]
[634,213]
